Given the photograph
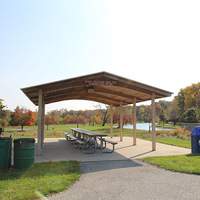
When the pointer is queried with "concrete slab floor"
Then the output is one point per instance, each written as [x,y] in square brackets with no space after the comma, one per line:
[58,149]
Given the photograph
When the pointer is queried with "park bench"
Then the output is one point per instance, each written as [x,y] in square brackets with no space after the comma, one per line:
[70,138]
[108,141]
[83,145]
[77,144]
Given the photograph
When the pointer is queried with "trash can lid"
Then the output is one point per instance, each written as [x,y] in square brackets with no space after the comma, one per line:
[24,140]
[195,131]
[5,138]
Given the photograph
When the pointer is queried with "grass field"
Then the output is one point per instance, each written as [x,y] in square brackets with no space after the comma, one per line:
[173,137]
[46,178]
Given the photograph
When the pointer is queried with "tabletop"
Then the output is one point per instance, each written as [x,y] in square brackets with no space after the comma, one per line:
[89,133]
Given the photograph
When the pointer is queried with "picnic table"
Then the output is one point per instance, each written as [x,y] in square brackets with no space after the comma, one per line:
[88,139]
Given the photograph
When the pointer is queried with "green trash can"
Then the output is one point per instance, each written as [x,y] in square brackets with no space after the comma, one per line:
[5,152]
[24,152]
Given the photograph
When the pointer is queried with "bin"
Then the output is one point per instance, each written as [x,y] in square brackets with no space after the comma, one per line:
[24,152]
[5,152]
[195,140]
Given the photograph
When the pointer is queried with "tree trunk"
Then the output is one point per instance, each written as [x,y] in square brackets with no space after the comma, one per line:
[105,118]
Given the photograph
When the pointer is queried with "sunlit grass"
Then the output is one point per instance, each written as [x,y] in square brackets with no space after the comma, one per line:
[181,163]
[47,178]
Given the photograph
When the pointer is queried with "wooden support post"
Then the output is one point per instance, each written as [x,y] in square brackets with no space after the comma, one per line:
[153,122]
[43,120]
[134,121]
[111,121]
[121,125]
[40,120]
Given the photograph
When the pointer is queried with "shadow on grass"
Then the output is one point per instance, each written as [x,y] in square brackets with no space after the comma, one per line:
[193,155]
[41,169]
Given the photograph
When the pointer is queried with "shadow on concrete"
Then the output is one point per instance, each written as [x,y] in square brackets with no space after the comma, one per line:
[90,167]
[141,154]
[125,147]
[61,150]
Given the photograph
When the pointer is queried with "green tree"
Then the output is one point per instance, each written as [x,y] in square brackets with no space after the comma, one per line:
[191,115]
[174,112]
[181,103]
[2,112]
[162,117]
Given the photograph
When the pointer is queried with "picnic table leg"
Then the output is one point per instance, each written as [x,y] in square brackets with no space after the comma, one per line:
[102,147]
[89,152]
[105,147]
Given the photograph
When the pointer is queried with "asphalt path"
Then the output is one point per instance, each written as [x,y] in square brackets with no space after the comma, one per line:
[130,179]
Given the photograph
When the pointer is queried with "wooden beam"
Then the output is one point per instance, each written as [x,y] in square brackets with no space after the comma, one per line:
[134,121]
[121,123]
[108,102]
[111,120]
[153,122]
[114,92]
[84,95]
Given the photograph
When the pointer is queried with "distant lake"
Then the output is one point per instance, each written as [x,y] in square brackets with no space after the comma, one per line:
[143,126]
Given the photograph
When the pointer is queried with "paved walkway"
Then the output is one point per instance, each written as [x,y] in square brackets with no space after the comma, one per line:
[118,176]
[130,179]
[55,149]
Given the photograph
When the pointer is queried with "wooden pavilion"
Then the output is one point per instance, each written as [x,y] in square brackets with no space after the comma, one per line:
[101,87]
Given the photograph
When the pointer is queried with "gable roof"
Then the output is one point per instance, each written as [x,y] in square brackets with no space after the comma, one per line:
[101,87]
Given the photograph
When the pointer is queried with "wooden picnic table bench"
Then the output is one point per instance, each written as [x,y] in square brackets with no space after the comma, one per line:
[70,138]
[108,141]
[88,139]
[76,142]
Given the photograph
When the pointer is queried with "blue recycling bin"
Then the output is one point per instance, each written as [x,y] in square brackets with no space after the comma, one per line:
[195,140]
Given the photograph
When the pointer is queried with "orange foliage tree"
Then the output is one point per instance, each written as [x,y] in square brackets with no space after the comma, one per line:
[23,117]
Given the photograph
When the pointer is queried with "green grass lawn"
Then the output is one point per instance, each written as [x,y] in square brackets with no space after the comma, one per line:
[56,131]
[182,163]
[47,178]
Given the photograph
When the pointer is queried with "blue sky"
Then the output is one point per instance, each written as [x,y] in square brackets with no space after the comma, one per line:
[153,42]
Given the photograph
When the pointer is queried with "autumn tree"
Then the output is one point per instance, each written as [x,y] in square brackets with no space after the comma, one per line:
[190,93]
[104,113]
[69,119]
[140,113]
[48,121]
[126,116]
[23,117]
[96,119]
[173,112]
[80,120]
[187,98]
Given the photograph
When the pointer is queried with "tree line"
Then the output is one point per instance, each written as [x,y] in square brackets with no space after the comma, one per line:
[185,107]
